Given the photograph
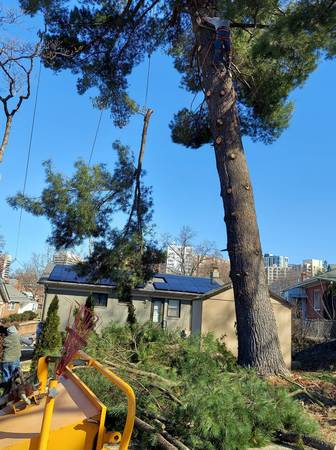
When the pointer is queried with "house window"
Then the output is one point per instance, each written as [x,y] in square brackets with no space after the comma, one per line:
[100,299]
[11,306]
[174,307]
[317,300]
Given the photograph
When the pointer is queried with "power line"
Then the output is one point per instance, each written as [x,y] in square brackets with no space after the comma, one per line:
[28,159]
[95,137]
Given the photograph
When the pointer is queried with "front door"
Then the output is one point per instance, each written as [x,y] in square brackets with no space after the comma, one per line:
[157,311]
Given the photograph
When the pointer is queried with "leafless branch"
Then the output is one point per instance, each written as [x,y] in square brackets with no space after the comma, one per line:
[16,66]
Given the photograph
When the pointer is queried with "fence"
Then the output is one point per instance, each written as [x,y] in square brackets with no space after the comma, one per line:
[317,329]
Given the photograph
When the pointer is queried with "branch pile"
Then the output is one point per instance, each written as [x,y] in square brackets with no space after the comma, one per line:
[190,393]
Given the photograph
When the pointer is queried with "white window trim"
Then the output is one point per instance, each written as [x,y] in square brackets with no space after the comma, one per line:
[173,316]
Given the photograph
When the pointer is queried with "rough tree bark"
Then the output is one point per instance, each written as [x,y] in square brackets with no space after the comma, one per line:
[258,343]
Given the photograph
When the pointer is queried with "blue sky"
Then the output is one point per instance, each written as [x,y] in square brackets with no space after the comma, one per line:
[293,178]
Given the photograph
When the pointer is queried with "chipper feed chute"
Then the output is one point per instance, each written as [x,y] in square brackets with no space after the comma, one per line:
[66,414]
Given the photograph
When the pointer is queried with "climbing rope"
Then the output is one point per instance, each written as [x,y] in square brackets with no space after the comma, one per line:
[28,159]
[148,79]
[96,135]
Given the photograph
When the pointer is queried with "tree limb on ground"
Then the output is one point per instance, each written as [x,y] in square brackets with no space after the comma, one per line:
[311,441]
[168,393]
[150,375]
[159,420]
[304,390]
[174,441]
[161,441]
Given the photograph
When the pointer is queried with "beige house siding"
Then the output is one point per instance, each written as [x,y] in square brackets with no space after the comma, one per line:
[215,314]
[218,316]
[114,311]
[184,321]
[283,317]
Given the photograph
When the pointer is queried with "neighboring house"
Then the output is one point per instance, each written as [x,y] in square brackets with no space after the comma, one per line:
[314,297]
[194,305]
[13,301]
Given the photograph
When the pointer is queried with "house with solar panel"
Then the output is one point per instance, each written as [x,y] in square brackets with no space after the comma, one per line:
[189,304]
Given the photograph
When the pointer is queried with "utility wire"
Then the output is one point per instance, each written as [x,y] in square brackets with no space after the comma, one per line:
[95,137]
[28,159]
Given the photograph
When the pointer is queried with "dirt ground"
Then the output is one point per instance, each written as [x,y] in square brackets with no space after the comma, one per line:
[317,393]
[323,386]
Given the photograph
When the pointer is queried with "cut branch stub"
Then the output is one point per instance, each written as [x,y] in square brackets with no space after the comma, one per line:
[222,93]
[208,94]
[247,187]
[232,156]
[229,190]
[219,140]
[219,122]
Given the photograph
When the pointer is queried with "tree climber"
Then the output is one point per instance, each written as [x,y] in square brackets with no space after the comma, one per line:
[222,41]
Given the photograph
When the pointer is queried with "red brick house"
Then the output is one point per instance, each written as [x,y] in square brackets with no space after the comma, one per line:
[315,298]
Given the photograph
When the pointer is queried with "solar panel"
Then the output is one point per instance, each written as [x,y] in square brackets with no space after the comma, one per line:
[69,274]
[185,284]
[176,283]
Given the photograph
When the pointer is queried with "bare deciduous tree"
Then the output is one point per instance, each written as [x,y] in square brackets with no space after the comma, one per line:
[188,258]
[16,66]
[29,274]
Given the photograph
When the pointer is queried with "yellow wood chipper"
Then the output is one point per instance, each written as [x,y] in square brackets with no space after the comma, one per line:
[65,413]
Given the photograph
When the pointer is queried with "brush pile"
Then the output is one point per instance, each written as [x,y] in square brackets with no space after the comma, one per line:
[190,392]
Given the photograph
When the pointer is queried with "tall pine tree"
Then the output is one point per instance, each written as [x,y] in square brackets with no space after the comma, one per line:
[275,45]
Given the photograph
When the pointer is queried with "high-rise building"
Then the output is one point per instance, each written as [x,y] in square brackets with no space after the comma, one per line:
[313,266]
[65,257]
[271,260]
[179,259]
[5,261]
[275,273]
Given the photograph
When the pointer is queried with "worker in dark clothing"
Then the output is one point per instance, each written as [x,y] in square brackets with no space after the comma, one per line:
[11,353]
[222,40]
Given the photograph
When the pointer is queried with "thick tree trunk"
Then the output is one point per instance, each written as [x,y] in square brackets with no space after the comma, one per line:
[258,343]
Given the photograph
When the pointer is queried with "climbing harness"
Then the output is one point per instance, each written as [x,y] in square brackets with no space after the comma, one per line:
[222,41]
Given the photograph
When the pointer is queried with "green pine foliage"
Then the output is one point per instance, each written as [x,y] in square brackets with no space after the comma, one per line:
[50,339]
[104,41]
[219,406]
[84,205]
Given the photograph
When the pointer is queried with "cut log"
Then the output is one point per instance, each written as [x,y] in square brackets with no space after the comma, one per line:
[146,428]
